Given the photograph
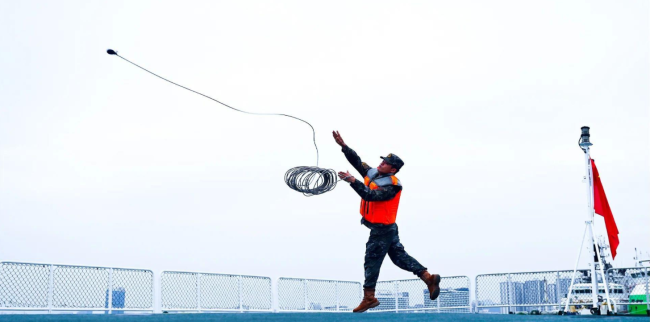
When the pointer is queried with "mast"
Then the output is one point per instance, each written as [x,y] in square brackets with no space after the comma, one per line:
[595,250]
[585,145]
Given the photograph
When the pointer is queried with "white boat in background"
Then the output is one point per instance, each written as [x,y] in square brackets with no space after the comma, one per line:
[581,297]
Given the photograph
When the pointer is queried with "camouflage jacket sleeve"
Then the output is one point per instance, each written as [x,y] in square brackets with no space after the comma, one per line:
[381,194]
[355,161]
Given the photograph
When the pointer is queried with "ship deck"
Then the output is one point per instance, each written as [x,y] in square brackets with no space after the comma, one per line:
[299,317]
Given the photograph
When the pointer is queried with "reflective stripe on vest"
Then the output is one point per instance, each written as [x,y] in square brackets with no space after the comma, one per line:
[380,212]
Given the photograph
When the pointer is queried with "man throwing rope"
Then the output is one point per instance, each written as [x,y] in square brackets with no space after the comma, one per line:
[380,193]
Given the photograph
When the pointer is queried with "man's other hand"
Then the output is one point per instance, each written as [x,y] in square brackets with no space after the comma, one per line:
[346,176]
[338,138]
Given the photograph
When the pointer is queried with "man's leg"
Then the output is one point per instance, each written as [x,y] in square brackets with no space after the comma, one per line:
[376,249]
[403,260]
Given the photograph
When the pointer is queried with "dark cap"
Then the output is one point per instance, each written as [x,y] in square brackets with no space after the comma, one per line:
[394,161]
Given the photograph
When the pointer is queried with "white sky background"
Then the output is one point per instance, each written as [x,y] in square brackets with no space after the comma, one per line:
[103,164]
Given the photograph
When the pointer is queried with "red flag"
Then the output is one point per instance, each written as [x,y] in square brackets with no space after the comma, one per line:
[601,206]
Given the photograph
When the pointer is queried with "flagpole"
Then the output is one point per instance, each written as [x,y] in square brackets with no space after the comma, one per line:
[585,145]
[590,214]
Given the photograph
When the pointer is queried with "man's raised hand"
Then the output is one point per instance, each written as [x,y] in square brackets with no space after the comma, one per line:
[346,176]
[338,138]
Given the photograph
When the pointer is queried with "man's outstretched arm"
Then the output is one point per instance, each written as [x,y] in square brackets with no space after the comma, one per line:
[351,155]
[382,194]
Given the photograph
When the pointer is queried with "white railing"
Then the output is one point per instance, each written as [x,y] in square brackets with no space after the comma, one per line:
[519,292]
[29,286]
[192,291]
[50,287]
[547,292]
[635,282]
[312,295]
[523,292]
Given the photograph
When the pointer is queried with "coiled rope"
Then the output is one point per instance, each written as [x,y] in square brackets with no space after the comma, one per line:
[308,180]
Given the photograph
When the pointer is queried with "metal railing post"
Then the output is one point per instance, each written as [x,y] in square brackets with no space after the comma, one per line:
[336,290]
[557,291]
[647,291]
[157,291]
[50,290]
[476,298]
[110,291]
[239,292]
[198,292]
[396,288]
[438,303]
[275,295]
[304,290]
[508,290]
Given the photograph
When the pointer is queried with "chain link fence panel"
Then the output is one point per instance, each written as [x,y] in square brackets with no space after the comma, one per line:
[633,283]
[179,290]
[292,294]
[580,296]
[28,286]
[492,295]
[321,295]
[182,291]
[385,292]
[540,291]
[311,295]
[614,296]
[454,295]
[80,287]
[24,285]
[413,295]
[132,288]
[256,293]
[547,291]
[219,291]
[349,295]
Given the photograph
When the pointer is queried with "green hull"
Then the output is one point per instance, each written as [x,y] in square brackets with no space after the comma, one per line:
[637,309]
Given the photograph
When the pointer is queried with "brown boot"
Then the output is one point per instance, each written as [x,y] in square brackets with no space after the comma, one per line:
[433,284]
[369,301]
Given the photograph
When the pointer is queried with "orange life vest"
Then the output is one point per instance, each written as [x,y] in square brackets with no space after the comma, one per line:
[380,212]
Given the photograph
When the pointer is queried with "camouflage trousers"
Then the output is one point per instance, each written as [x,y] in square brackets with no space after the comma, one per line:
[384,239]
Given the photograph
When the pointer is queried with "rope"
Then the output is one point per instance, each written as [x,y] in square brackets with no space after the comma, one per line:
[308,180]
[311,181]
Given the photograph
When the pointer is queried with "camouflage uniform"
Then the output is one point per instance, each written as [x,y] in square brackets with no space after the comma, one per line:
[384,239]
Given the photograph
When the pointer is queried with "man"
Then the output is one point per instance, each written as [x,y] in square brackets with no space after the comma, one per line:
[380,193]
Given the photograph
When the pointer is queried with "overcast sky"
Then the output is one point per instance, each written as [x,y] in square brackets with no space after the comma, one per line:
[103,164]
